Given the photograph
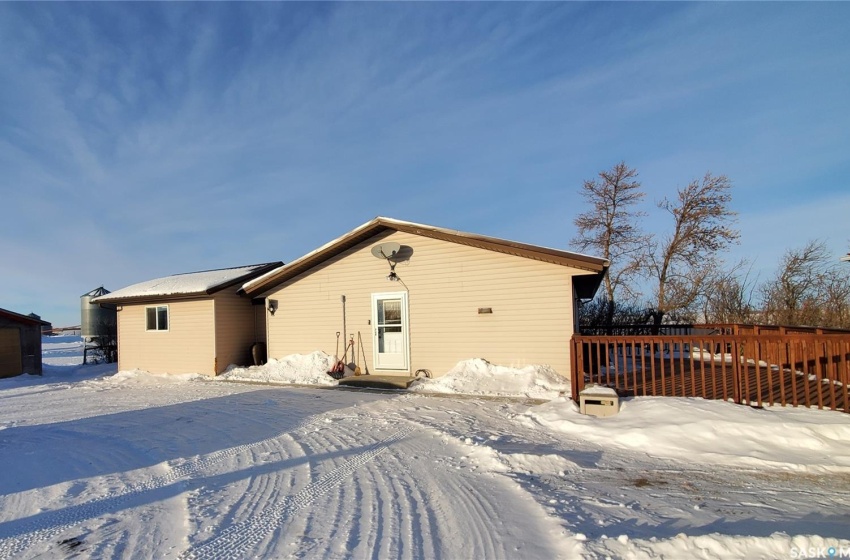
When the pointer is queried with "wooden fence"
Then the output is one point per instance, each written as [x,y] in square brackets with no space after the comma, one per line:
[752,369]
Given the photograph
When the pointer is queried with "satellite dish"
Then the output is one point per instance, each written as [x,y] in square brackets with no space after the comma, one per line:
[386,250]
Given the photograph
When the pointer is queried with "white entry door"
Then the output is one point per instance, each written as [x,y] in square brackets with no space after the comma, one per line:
[389,326]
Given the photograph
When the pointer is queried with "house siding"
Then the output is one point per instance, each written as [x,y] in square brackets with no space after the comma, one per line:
[531,323]
[234,328]
[188,346]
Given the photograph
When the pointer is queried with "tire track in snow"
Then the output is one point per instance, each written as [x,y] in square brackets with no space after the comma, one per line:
[52,524]
[360,516]
[397,508]
[322,522]
[234,541]
[413,511]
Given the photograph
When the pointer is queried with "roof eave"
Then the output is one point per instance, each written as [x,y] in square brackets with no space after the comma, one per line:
[586,286]
[245,277]
[555,256]
[153,298]
[260,285]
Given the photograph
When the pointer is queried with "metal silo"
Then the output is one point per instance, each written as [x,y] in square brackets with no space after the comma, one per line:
[95,320]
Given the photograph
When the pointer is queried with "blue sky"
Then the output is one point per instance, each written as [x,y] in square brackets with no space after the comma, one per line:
[139,140]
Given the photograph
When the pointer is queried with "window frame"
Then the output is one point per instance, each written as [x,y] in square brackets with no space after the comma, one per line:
[156,309]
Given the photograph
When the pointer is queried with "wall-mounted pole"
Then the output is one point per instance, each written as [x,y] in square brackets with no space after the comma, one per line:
[344,334]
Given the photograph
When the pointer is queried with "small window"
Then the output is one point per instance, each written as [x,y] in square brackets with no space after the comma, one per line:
[157,318]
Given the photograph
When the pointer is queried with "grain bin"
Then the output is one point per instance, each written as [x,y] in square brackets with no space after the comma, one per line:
[95,319]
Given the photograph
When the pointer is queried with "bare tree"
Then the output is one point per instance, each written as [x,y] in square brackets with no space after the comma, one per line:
[808,289]
[836,299]
[728,296]
[595,315]
[681,263]
[104,343]
[611,227]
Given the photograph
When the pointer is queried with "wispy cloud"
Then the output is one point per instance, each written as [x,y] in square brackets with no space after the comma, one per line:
[148,139]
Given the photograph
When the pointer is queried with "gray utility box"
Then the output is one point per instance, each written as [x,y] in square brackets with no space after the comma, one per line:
[599,401]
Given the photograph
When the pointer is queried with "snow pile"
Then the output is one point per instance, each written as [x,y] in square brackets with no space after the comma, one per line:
[546,464]
[713,432]
[298,369]
[480,377]
[714,545]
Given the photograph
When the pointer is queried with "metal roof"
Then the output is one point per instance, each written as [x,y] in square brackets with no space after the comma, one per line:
[21,318]
[186,285]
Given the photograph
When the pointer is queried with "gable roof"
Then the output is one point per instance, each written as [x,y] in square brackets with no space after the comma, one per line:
[594,265]
[192,284]
[19,318]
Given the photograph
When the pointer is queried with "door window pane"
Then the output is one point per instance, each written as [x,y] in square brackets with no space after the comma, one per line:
[389,311]
[390,340]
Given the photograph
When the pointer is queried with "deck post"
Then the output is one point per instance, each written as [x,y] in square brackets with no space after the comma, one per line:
[576,376]
[736,371]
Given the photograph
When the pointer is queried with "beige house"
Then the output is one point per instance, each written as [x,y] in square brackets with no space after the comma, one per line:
[188,323]
[416,297]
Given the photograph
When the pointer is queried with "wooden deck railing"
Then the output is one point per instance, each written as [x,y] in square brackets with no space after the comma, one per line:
[740,328]
[641,330]
[758,370]
[704,328]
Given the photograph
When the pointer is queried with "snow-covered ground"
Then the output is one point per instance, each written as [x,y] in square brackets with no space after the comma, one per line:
[131,465]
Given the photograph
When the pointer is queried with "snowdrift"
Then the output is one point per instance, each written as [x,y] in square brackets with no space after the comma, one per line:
[713,432]
[297,369]
[469,377]
[480,377]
